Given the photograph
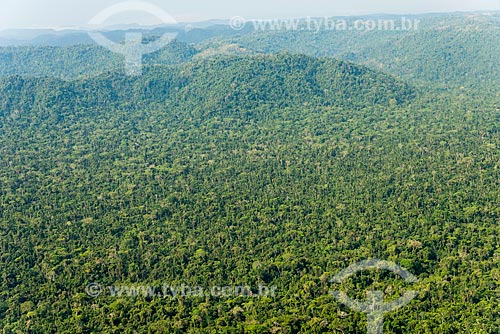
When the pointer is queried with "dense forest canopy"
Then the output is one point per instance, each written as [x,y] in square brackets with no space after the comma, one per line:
[447,50]
[260,166]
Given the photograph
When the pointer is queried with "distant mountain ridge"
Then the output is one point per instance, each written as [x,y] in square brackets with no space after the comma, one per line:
[450,51]
[223,84]
[73,62]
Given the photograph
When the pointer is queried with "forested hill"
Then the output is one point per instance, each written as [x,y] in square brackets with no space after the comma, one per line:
[447,50]
[278,170]
[223,84]
[80,61]
[451,51]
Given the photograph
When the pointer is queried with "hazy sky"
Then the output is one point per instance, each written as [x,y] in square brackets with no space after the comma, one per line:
[67,13]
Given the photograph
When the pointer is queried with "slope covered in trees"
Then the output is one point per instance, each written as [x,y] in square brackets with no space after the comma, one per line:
[81,61]
[450,51]
[447,50]
[229,84]
[278,170]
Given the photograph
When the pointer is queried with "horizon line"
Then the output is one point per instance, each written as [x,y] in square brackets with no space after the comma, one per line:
[87,27]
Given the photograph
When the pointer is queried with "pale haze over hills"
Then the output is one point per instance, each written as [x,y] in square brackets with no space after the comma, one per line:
[59,13]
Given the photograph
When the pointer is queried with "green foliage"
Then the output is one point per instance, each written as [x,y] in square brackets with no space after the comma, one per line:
[279,170]
[81,61]
[447,50]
